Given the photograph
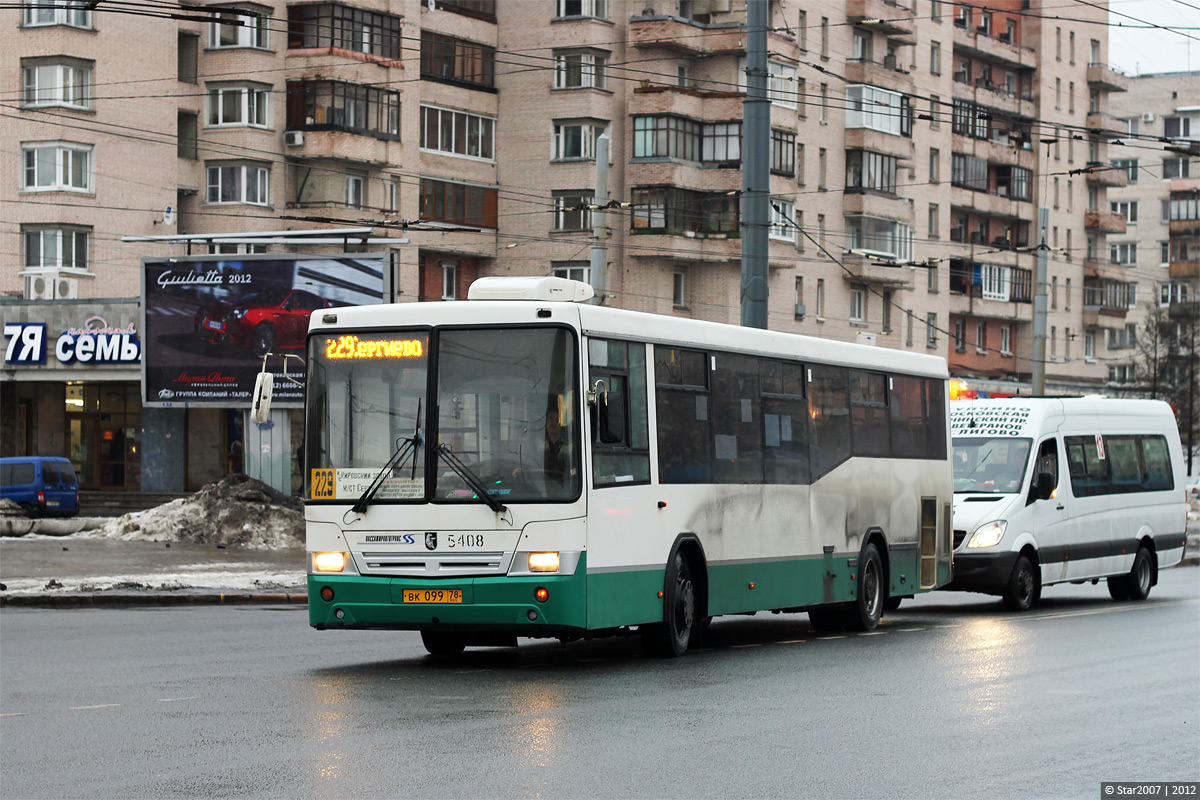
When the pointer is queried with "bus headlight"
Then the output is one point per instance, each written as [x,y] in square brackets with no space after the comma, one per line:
[329,562]
[543,562]
[988,534]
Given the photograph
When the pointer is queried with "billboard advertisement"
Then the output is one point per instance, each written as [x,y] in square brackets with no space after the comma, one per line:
[207,321]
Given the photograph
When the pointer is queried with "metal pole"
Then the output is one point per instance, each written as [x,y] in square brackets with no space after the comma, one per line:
[599,222]
[756,166]
[1039,307]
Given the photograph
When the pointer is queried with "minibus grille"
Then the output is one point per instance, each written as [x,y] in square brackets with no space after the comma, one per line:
[434,565]
[958,537]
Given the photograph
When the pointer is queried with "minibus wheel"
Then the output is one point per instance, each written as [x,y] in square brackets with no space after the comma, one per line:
[1024,586]
[1141,577]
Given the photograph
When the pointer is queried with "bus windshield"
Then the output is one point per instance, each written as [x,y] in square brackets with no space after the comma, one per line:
[502,416]
[989,465]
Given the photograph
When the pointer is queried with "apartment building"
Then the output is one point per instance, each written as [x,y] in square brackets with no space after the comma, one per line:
[911,146]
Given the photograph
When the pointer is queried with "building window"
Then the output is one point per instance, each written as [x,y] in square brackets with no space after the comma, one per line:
[574,271]
[800,163]
[1175,168]
[1089,346]
[581,8]
[56,248]
[783,152]
[878,110]
[861,45]
[572,212]
[870,171]
[479,9]
[1130,165]
[1125,253]
[460,203]
[886,312]
[458,133]
[353,107]
[802,30]
[1127,209]
[995,282]
[584,69]
[323,25]
[781,84]
[823,115]
[57,166]
[820,298]
[393,195]
[47,12]
[1005,340]
[981,337]
[239,183]
[679,288]
[238,27]
[934,231]
[1177,127]
[238,106]
[935,161]
[935,58]
[356,189]
[931,331]
[880,236]
[782,214]
[858,305]
[576,139]
[59,83]
[449,280]
[686,139]
[824,37]
[821,170]
[445,58]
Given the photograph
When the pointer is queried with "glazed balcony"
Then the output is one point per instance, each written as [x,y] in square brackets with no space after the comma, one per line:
[1103,221]
[1105,78]
[686,37]
[886,17]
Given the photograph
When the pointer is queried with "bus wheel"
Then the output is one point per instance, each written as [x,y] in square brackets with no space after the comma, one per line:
[864,613]
[1023,587]
[674,635]
[826,618]
[443,643]
[1141,577]
[1118,588]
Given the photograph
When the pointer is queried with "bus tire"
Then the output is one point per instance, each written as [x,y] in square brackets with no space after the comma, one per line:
[892,603]
[443,643]
[1117,588]
[1141,577]
[825,618]
[865,611]
[1024,586]
[673,635]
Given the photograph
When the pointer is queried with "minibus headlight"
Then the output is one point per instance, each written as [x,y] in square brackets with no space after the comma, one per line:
[988,534]
[543,562]
[329,562]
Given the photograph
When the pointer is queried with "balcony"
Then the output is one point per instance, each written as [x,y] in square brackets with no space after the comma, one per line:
[1104,77]
[888,17]
[1104,175]
[1184,269]
[1100,122]
[683,102]
[876,141]
[1184,227]
[343,146]
[1102,221]
[885,75]
[686,37]
[1103,269]
[862,269]
[979,44]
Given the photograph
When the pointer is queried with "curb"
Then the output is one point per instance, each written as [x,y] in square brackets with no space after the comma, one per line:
[128,599]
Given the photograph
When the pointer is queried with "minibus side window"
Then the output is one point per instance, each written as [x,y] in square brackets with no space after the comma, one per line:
[1047,461]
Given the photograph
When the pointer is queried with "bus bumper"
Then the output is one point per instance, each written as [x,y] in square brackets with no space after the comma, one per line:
[498,604]
[988,573]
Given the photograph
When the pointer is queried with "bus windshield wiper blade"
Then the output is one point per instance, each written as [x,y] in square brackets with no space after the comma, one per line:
[470,478]
[408,446]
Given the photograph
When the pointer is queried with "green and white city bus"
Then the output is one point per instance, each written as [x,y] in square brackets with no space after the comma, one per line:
[527,464]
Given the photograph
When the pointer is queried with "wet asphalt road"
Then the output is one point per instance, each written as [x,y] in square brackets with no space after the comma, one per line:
[952,697]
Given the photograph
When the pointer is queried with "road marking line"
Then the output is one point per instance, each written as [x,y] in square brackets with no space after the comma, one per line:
[873,633]
[15,714]
[1106,610]
[740,646]
[85,708]
[827,638]
[177,699]
[793,641]
[908,630]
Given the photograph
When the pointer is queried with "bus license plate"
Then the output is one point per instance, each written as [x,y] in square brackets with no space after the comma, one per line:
[433,595]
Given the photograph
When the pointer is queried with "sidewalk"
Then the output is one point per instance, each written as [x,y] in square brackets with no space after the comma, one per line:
[70,571]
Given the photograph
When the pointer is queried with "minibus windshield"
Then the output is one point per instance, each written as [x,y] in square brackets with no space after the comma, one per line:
[989,465]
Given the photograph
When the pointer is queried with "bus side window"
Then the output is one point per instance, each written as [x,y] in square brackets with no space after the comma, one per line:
[619,417]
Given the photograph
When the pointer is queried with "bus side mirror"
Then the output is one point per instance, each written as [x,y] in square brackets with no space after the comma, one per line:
[610,414]
[263,388]
[1045,485]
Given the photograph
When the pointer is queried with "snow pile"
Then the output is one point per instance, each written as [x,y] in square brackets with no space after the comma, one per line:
[236,510]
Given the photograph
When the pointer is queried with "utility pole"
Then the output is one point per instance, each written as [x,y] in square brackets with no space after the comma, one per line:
[756,168]
[599,262]
[1039,306]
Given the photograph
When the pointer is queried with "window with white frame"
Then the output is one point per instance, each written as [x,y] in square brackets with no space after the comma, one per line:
[449,280]
[996,282]
[458,132]
[356,191]
[57,166]
[239,183]
[1124,253]
[574,271]
[238,106]
[571,211]
[1120,373]
[960,335]
[1173,292]
[56,248]
[242,249]
[1089,346]
[782,214]
[576,139]
[1127,209]
[931,330]
[679,288]
[981,336]
[878,109]
[57,83]
[580,69]
[238,27]
[880,236]
[393,195]
[781,84]
[1005,340]
[581,8]
[47,12]
[858,304]
[862,46]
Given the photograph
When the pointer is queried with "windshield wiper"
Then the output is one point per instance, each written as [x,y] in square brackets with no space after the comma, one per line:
[408,446]
[470,478]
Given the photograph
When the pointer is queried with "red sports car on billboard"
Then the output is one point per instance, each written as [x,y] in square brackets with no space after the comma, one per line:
[260,322]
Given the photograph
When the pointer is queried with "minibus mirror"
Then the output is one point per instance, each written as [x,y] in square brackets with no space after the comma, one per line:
[263,388]
[1045,485]
[611,418]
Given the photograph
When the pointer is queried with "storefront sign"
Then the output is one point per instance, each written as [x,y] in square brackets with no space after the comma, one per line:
[210,320]
[95,343]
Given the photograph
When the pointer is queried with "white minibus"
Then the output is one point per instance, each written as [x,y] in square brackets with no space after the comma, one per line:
[1053,490]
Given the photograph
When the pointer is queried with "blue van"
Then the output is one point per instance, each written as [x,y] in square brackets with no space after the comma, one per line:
[42,485]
